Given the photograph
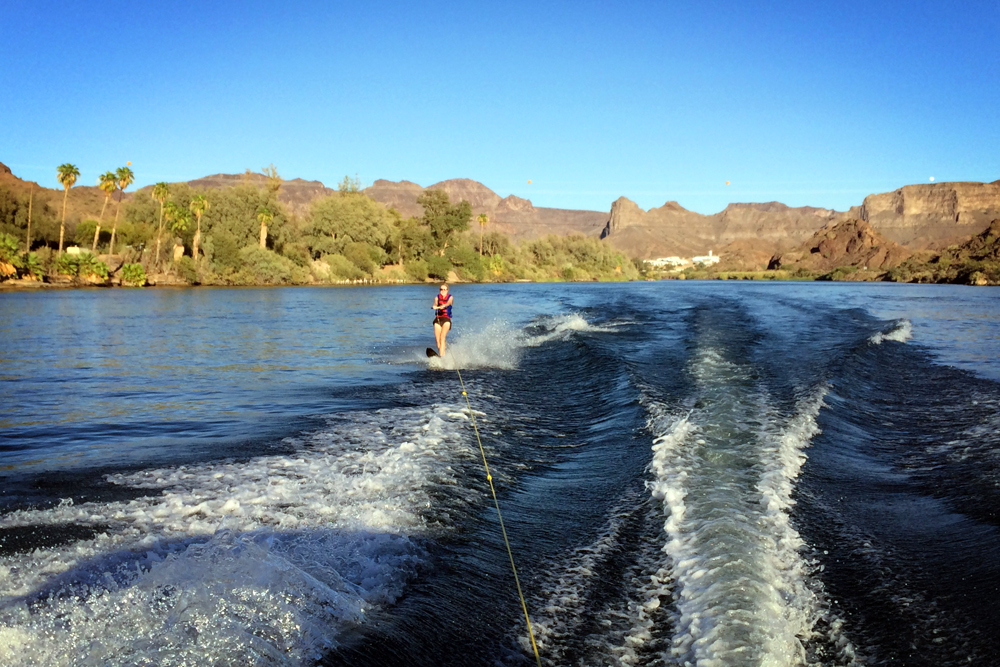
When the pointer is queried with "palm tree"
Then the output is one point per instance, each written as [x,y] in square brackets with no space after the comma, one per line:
[67,175]
[124,178]
[160,193]
[274,180]
[265,216]
[482,218]
[109,184]
[177,216]
[27,237]
[198,206]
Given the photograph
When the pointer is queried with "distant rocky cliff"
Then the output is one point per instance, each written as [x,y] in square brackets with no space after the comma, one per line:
[745,235]
[673,230]
[933,214]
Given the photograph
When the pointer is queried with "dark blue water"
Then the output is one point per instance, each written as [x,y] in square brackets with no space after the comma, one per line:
[690,473]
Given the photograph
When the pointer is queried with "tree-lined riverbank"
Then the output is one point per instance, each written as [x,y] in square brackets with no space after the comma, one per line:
[243,235]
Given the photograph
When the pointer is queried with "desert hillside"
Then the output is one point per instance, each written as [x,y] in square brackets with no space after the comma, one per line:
[847,243]
[511,215]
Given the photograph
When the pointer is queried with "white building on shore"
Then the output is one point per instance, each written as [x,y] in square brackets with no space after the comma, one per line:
[681,262]
[664,262]
[706,259]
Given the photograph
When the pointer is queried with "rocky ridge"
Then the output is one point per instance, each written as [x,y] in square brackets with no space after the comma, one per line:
[673,230]
[84,201]
[295,193]
[511,215]
[933,215]
[852,243]
[975,262]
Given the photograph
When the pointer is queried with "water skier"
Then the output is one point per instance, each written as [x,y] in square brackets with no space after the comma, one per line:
[442,317]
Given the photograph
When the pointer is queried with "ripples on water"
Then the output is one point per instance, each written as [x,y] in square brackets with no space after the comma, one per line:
[691,474]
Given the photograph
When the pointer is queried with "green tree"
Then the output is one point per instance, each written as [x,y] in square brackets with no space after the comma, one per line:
[160,193]
[496,244]
[265,216]
[17,210]
[482,219]
[349,186]
[177,217]
[123,178]
[66,174]
[27,235]
[108,183]
[198,206]
[412,239]
[438,267]
[264,267]
[274,180]
[234,215]
[338,220]
[443,218]
[463,256]
[364,256]
[10,260]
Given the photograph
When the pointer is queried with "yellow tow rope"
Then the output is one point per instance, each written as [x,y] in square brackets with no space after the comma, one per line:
[489,478]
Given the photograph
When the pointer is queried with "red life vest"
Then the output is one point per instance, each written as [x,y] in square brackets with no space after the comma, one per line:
[443,311]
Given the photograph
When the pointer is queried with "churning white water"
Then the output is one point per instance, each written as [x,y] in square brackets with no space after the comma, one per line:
[263,561]
[724,472]
[900,332]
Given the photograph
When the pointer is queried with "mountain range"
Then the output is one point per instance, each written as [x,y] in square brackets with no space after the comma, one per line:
[745,235]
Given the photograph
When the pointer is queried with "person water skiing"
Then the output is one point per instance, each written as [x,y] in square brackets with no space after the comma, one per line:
[442,317]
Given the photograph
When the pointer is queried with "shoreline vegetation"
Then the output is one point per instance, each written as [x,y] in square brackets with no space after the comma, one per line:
[242,235]
[175,235]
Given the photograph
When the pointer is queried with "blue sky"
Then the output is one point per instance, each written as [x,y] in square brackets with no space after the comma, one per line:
[809,105]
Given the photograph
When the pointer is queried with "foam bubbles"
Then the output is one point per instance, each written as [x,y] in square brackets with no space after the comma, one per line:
[724,473]
[559,327]
[567,601]
[499,345]
[266,561]
[901,332]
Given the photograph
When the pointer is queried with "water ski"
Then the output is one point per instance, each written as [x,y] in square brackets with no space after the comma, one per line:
[432,353]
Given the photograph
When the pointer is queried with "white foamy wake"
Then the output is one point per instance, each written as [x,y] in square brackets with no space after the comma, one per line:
[262,562]
[725,474]
[901,332]
[559,327]
[499,345]
[565,604]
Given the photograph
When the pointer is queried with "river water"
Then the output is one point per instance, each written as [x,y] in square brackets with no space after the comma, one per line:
[706,474]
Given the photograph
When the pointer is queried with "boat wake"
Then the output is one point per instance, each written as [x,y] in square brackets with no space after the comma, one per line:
[500,345]
[724,472]
[267,561]
[900,332]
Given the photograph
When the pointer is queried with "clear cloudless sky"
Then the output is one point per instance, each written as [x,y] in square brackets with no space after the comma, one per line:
[806,103]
